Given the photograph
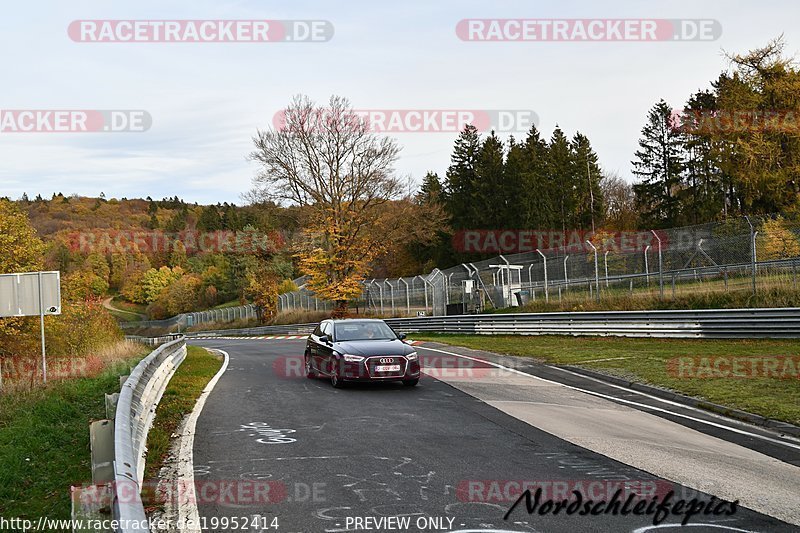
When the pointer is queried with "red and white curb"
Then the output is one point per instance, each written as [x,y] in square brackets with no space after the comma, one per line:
[274,338]
[269,338]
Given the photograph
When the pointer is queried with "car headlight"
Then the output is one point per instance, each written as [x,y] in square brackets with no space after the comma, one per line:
[353,358]
[412,356]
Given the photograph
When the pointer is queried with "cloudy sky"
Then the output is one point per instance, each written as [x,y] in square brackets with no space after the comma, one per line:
[206,100]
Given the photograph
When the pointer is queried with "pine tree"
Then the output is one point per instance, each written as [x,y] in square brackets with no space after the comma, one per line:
[706,186]
[209,219]
[589,194]
[491,205]
[561,173]
[537,193]
[430,191]
[659,164]
[461,181]
[230,218]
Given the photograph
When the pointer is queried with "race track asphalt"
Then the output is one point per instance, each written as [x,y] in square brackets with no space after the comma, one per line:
[275,448]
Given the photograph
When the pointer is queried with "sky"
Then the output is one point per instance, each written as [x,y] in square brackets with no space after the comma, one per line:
[207,100]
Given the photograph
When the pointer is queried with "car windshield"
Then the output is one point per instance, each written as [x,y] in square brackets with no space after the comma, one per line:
[363,331]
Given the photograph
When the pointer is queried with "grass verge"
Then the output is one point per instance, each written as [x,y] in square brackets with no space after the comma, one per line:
[706,295]
[44,441]
[177,402]
[647,361]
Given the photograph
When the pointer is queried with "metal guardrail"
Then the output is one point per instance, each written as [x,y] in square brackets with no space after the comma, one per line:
[154,341]
[136,408]
[706,323]
[686,324]
[288,329]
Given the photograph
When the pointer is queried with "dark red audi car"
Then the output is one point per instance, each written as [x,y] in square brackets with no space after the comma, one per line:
[360,350]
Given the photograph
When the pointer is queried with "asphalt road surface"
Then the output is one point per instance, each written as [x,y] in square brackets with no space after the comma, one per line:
[288,454]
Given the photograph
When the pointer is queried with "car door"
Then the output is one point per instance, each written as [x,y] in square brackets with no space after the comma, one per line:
[312,346]
[325,351]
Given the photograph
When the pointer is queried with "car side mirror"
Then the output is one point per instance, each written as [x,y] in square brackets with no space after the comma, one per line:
[324,339]
[402,336]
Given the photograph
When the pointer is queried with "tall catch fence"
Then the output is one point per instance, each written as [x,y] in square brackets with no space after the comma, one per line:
[744,254]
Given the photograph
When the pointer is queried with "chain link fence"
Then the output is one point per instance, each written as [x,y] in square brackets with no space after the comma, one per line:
[743,254]
[186,320]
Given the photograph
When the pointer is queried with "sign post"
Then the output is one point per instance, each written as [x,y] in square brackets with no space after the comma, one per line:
[31,294]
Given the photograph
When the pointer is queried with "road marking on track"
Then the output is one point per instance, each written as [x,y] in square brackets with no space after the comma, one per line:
[187,511]
[629,402]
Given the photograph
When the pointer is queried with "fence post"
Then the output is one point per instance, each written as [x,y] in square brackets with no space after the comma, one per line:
[566,277]
[752,252]
[605,260]
[433,297]
[646,267]
[596,272]
[408,298]
[424,289]
[546,292]
[391,292]
[660,267]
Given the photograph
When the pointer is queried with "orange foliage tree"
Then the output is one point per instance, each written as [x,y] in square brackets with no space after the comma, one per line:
[327,160]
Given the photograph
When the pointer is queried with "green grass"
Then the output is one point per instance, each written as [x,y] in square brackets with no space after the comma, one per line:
[232,303]
[772,291]
[177,402]
[125,317]
[44,443]
[129,306]
[645,361]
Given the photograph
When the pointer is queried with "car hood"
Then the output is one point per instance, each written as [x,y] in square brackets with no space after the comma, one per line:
[379,347]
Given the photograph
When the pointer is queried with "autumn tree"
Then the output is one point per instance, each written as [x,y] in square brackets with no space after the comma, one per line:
[262,290]
[21,250]
[327,160]
[776,240]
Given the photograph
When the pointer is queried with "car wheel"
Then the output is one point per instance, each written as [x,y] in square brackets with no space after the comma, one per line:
[310,374]
[336,380]
[410,382]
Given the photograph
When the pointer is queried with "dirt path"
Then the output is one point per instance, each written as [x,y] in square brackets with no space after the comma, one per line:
[107,305]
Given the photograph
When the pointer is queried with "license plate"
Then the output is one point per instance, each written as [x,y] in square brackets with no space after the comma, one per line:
[387,368]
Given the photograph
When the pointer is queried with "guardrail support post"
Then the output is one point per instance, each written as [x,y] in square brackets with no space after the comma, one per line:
[101,440]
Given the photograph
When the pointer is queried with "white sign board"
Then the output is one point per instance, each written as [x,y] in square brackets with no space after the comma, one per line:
[19,294]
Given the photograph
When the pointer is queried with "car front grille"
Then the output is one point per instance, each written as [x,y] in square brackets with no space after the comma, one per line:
[384,360]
